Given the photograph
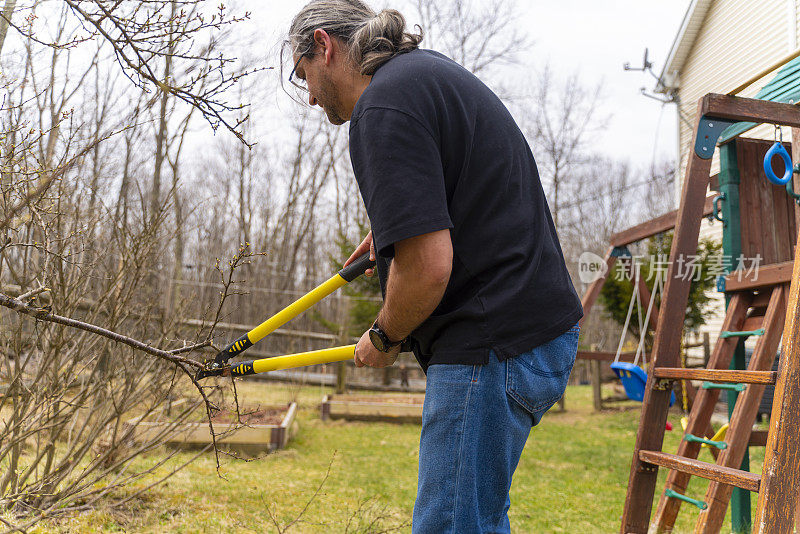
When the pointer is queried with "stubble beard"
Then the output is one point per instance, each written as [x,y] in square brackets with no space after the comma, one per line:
[329,100]
[334,118]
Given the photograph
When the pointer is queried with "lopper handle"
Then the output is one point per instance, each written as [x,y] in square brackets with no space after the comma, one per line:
[291,361]
[357,268]
[345,275]
[302,359]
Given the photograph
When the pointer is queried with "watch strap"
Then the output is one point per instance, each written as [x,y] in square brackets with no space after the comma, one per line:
[384,338]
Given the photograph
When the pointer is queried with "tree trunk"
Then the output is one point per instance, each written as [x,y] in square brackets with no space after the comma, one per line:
[8,10]
[161,136]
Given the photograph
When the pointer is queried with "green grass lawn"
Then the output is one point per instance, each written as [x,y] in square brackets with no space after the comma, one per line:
[571,478]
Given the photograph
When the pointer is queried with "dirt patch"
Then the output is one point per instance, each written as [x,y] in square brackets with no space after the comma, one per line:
[251,416]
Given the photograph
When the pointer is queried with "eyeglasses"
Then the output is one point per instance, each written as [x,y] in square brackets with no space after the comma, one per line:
[298,82]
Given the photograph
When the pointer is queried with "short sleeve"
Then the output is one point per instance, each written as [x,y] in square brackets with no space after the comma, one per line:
[398,167]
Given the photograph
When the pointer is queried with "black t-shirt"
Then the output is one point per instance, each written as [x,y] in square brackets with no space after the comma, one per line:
[433,148]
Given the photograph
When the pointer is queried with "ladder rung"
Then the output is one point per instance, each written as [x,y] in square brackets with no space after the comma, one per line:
[675,495]
[731,387]
[718,473]
[761,300]
[710,442]
[758,438]
[743,333]
[753,322]
[717,375]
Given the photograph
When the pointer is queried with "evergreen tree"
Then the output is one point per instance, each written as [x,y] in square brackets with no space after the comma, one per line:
[702,269]
[364,291]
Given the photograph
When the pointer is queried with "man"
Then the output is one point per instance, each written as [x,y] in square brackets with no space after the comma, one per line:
[468,258]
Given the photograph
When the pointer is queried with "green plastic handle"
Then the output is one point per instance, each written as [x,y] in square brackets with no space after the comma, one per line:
[675,495]
[729,387]
[711,443]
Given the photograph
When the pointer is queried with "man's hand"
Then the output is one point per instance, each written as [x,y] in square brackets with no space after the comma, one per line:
[367,354]
[366,245]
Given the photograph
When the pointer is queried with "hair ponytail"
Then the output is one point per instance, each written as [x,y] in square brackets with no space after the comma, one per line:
[371,39]
[380,39]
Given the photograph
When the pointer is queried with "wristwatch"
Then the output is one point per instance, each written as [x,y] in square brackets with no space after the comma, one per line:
[380,340]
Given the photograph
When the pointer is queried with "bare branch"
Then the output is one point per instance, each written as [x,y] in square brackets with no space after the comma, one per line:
[43,314]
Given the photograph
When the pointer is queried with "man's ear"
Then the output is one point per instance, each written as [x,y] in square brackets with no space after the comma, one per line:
[324,42]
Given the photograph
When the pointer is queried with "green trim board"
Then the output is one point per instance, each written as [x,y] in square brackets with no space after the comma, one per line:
[784,87]
[729,180]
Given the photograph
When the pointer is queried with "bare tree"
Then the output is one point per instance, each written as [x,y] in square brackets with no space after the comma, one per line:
[139,33]
[560,122]
[597,204]
[478,35]
[8,11]
[81,262]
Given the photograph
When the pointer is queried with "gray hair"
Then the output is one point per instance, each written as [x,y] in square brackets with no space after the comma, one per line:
[371,38]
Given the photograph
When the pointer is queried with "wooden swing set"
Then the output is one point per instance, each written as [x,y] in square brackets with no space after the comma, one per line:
[758,219]
[618,254]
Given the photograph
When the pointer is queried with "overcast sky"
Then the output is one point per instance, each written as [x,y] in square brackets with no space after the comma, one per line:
[589,37]
[595,39]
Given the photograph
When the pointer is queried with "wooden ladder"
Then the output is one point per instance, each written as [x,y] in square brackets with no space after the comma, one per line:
[754,310]
[778,486]
[760,313]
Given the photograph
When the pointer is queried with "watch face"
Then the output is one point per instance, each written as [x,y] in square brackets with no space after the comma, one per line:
[377,341]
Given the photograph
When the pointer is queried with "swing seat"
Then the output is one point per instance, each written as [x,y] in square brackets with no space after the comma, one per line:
[633,379]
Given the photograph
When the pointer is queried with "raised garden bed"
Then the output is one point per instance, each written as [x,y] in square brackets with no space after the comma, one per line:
[388,408]
[266,429]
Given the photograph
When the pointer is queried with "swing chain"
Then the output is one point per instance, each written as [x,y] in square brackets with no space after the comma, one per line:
[778,134]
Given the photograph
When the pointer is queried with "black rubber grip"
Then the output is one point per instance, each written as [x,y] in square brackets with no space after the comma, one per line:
[242,369]
[238,346]
[357,268]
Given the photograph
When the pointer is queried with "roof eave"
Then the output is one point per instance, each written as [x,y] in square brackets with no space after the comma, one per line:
[682,45]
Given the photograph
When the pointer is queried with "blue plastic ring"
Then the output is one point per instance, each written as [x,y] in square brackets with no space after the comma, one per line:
[778,149]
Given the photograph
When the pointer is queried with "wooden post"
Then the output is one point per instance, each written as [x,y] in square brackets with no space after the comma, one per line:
[341,377]
[597,390]
[341,367]
[597,385]
[780,480]
[706,348]
[666,349]
[795,177]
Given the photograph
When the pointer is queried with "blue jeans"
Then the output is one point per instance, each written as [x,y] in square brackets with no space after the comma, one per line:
[475,422]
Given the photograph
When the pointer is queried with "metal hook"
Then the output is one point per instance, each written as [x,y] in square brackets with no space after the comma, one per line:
[717,209]
[790,186]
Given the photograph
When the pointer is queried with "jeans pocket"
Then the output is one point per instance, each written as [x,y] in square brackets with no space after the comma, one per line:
[538,378]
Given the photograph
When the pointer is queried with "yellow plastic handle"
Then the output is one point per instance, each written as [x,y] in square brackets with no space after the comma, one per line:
[303,359]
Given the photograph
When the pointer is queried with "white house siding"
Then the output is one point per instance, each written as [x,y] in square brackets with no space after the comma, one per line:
[738,39]
[794,9]
[714,322]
